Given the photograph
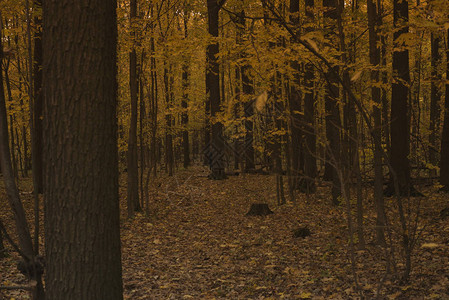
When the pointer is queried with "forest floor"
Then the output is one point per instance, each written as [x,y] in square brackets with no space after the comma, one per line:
[197,243]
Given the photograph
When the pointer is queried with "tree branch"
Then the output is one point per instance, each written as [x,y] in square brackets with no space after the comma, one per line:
[11,242]
[220,4]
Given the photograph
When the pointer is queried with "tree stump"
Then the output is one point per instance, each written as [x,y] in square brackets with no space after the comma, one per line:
[259,209]
[303,232]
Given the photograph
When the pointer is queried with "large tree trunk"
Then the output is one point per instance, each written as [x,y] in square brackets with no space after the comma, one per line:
[82,229]
[216,145]
[444,154]
[399,125]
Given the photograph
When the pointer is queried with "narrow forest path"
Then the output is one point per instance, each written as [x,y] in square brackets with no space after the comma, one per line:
[197,243]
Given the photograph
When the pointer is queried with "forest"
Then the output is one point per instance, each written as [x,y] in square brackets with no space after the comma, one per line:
[224,149]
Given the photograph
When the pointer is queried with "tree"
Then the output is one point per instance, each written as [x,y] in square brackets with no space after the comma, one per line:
[38,103]
[215,151]
[374,54]
[333,122]
[248,94]
[168,91]
[444,154]
[32,266]
[435,98]
[82,234]
[310,169]
[133,177]
[185,97]
[294,99]
[399,125]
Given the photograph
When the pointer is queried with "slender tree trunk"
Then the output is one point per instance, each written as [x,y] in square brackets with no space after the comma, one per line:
[240,31]
[25,148]
[185,118]
[13,145]
[294,99]
[11,123]
[333,122]
[142,143]
[34,152]
[310,168]
[185,114]
[384,100]
[248,92]
[24,128]
[169,160]
[444,154]
[38,101]
[248,102]
[435,98]
[82,222]
[19,153]
[374,54]
[132,159]
[154,103]
[350,164]
[278,111]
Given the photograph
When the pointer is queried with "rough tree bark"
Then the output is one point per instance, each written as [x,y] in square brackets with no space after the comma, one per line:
[82,229]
